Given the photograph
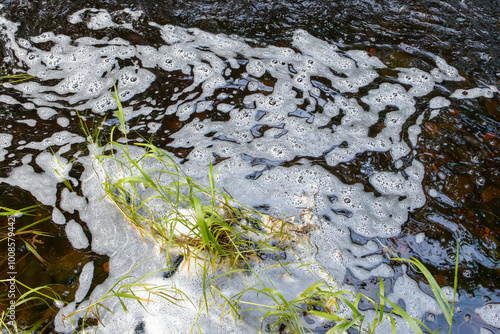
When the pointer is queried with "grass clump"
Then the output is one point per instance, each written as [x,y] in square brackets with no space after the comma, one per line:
[178,213]
[288,316]
[175,211]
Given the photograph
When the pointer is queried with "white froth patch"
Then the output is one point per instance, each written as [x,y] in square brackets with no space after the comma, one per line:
[439,102]
[417,302]
[56,139]
[421,81]
[5,141]
[58,217]
[70,201]
[46,113]
[63,121]
[41,185]
[474,93]
[76,235]
[490,313]
[97,19]
[7,99]
[29,122]
[445,71]
[85,281]
[419,238]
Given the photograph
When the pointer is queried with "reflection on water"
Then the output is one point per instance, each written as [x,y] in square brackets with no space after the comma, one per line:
[196,115]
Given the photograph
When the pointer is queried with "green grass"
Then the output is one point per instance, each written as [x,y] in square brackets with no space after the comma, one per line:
[128,287]
[439,295]
[31,298]
[13,78]
[318,299]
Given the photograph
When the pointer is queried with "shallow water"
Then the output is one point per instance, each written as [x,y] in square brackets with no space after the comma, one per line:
[458,148]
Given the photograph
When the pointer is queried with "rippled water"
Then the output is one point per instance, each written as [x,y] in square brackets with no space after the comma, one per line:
[417,185]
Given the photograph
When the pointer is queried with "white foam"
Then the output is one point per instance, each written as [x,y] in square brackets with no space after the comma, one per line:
[63,121]
[439,102]
[5,141]
[419,238]
[42,186]
[56,139]
[29,122]
[490,313]
[76,236]
[70,201]
[58,217]
[474,93]
[85,281]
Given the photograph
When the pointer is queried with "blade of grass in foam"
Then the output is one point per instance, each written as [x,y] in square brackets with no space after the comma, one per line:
[211,179]
[14,78]
[35,291]
[35,328]
[114,291]
[232,301]
[285,310]
[393,325]
[134,163]
[119,113]
[342,327]
[381,318]
[207,235]
[414,323]
[436,289]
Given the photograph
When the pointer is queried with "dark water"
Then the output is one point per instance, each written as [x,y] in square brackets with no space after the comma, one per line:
[460,148]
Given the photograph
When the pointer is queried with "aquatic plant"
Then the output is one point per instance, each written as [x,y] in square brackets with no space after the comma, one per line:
[32,297]
[319,300]
[29,298]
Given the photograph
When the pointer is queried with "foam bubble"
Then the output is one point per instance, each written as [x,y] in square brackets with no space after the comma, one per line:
[58,217]
[29,122]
